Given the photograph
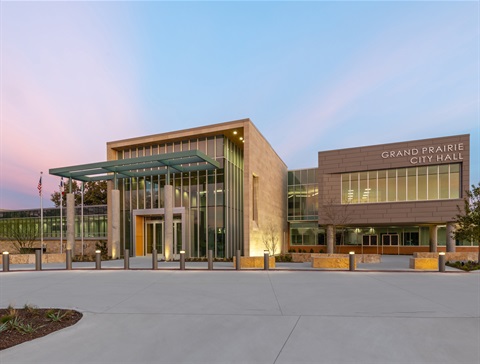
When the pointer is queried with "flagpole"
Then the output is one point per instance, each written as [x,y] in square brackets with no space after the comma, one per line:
[81,229]
[61,216]
[41,213]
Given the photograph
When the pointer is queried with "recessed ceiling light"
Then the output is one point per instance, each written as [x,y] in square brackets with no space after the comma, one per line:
[235,132]
[241,138]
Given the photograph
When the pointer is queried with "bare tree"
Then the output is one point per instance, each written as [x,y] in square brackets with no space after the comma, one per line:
[22,234]
[338,215]
[270,237]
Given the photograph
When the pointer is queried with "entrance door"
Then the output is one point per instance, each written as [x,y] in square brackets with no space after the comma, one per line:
[154,237]
[177,238]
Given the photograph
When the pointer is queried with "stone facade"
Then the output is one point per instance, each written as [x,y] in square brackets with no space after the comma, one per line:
[333,163]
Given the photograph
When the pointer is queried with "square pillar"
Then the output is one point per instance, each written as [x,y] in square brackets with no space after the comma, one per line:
[168,190]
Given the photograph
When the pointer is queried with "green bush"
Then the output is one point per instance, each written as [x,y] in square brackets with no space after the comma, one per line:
[283,258]
[464,265]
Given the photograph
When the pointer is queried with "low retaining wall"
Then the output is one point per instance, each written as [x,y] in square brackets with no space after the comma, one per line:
[30,258]
[450,256]
[254,262]
[424,263]
[301,257]
[359,258]
[331,261]
[53,246]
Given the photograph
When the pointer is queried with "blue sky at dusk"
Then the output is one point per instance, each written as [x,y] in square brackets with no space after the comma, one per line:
[311,76]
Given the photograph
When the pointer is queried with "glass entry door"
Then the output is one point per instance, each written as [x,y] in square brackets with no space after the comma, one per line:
[154,237]
[154,230]
[177,238]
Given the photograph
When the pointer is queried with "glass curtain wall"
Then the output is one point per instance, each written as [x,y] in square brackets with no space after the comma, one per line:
[303,195]
[213,200]
[303,208]
[94,222]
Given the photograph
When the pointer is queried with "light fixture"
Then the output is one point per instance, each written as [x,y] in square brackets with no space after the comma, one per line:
[235,132]
[241,138]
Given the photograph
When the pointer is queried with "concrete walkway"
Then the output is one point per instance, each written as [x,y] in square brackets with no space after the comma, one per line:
[228,316]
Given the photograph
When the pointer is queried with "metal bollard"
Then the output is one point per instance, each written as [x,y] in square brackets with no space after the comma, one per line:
[237,263]
[38,259]
[6,261]
[154,259]
[266,263]
[182,260]
[68,259]
[441,262]
[98,259]
[126,259]
[210,260]
[351,261]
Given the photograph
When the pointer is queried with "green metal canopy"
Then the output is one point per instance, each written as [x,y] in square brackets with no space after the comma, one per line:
[153,165]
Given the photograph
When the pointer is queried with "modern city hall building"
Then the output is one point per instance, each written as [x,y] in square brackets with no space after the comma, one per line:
[223,188]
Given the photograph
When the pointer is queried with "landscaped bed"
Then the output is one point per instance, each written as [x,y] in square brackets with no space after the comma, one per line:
[18,325]
[467,266]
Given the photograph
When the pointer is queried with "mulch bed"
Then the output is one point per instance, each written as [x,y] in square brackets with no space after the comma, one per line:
[25,324]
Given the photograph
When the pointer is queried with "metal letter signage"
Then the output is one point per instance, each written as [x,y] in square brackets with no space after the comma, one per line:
[431,154]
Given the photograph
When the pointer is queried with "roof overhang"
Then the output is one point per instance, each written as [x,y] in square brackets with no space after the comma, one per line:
[158,164]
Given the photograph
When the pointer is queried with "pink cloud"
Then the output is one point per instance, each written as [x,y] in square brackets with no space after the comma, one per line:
[59,105]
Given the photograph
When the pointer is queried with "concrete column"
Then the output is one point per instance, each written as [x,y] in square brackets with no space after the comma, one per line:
[330,239]
[433,238]
[168,222]
[114,245]
[450,238]
[71,222]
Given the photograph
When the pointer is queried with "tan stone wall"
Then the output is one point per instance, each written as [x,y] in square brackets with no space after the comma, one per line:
[254,262]
[424,263]
[450,256]
[262,161]
[30,258]
[331,261]
[332,163]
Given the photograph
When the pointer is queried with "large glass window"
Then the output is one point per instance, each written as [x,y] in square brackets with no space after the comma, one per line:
[402,184]
[303,194]
[306,234]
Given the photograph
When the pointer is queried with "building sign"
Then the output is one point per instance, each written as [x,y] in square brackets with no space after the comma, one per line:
[432,154]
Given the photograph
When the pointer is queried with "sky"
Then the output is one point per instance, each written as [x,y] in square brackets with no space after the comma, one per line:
[312,76]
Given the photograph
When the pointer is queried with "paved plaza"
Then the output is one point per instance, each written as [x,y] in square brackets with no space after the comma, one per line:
[227,316]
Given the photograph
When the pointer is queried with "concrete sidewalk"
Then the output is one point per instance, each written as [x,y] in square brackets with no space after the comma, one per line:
[171,316]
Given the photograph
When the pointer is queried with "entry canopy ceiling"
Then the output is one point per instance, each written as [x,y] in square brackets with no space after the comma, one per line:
[153,165]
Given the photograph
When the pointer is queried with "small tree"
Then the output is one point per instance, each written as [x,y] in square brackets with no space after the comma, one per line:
[95,193]
[468,218]
[270,237]
[23,234]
